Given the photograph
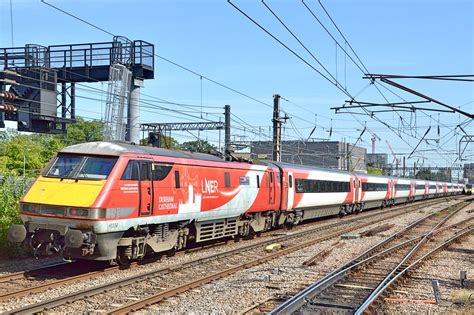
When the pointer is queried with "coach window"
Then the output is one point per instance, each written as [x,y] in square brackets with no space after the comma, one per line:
[290,181]
[258,181]
[227,180]
[299,185]
[176,179]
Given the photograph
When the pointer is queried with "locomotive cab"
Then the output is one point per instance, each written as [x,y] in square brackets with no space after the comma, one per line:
[60,207]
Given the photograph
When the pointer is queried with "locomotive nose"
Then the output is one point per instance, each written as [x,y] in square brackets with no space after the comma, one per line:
[16,233]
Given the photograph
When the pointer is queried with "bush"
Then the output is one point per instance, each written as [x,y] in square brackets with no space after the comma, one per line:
[11,189]
[374,171]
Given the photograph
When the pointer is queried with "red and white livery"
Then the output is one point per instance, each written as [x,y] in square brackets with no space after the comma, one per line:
[113,201]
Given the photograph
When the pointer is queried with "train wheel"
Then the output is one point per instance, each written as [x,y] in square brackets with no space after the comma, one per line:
[123,259]
[170,252]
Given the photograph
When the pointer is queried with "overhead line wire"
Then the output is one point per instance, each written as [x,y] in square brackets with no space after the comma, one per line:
[284,45]
[300,42]
[164,58]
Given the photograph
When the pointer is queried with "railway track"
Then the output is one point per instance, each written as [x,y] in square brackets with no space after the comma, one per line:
[21,284]
[359,284]
[373,302]
[29,273]
[167,282]
[25,283]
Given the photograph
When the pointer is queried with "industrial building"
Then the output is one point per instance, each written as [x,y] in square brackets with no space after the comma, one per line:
[378,160]
[326,154]
[469,172]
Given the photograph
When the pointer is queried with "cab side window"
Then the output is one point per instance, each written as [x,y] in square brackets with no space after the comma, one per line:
[145,170]
[131,171]
[161,171]
[137,170]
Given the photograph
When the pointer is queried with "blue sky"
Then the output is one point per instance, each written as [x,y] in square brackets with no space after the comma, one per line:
[400,37]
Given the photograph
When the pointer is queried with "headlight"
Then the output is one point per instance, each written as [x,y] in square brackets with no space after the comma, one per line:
[31,208]
[78,212]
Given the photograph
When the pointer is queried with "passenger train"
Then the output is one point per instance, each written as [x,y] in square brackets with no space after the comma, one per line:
[118,202]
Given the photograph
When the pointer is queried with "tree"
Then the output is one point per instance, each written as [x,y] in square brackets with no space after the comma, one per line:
[11,188]
[167,142]
[424,174]
[26,153]
[22,154]
[374,170]
[202,146]
[83,131]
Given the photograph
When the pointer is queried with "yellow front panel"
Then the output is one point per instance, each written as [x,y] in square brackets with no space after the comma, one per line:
[68,192]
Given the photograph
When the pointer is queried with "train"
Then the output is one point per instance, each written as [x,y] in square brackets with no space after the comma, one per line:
[468,189]
[119,202]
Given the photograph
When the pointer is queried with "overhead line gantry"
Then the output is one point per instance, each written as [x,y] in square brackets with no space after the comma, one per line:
[34,73]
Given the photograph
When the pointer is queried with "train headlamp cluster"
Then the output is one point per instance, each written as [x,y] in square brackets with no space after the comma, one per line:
[55,210]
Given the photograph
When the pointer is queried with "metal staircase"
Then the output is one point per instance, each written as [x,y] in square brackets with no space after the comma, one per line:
[117,100]
[118,91]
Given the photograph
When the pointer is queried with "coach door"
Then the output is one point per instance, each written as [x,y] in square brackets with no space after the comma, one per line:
[357,190]
[291,191]
[271,187]
[145,188]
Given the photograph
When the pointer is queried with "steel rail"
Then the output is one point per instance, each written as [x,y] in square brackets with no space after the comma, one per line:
[272,303]
[371,300]
[412,252]
[85,276]
[293,304]
[26,273]
[56,283]
[40,306]
[137,305]
[134,306]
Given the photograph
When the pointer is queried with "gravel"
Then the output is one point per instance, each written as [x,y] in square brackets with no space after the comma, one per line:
[250,285]
[8,266]
[280,277]
[444,267]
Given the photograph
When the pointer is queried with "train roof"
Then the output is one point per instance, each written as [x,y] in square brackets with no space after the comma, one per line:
[119,148]
[308,167]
